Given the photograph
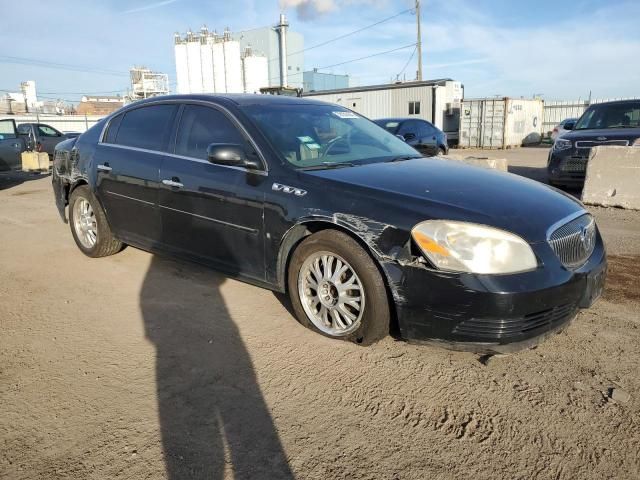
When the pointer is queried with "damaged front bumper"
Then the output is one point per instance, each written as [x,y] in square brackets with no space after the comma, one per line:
[493,313]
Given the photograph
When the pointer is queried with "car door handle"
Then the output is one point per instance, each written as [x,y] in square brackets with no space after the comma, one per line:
[172,183]
[104,168]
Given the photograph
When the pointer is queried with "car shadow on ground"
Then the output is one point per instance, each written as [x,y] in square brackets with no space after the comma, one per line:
[213,417]
[9,179]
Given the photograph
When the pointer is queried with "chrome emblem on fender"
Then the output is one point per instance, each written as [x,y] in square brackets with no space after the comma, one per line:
[298,192]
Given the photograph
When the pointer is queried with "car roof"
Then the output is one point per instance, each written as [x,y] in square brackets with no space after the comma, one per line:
[399,119]
[240,99]
[616,102]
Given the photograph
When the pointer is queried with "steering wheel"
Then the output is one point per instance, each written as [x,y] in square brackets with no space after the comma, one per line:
[332,143]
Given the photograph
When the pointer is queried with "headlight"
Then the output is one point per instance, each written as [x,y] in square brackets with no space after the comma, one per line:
[468,247]
[562,144]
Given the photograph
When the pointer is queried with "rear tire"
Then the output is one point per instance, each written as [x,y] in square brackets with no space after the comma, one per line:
[89,225]
[355,302]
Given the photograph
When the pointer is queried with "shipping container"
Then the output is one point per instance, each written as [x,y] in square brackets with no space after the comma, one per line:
[500,122]
[437,101]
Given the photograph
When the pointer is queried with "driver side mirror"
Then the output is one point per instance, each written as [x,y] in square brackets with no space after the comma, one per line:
[569,125]
[230,155]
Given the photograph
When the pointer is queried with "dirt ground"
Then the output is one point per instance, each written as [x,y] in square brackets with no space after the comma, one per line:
[134,366]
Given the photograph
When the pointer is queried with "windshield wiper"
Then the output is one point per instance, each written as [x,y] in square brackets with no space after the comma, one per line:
[328,165]
[408,157]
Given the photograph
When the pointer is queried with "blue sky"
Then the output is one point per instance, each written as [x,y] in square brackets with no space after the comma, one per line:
[562,50]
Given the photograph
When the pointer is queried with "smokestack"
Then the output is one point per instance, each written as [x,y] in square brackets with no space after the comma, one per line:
[282,32]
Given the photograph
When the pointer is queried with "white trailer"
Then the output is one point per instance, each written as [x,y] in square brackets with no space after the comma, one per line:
[437,101]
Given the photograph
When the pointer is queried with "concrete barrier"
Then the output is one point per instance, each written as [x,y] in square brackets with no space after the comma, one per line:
[613,178]
[35,162]
[484,162]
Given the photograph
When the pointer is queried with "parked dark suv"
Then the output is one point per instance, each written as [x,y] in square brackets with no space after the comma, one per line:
[612,123]
[312,199]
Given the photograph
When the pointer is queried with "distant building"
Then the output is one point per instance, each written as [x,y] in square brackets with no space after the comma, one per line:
[145,83]
[243,62]
[266,42]
[438,101]
[26,100]
[99,105]
[315,81]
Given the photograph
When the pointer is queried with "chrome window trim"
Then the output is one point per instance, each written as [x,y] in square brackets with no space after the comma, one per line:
[192,159]
[564,221]
[214,220]
[188,101]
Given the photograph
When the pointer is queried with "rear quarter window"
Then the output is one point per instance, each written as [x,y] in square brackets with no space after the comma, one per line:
[147,127]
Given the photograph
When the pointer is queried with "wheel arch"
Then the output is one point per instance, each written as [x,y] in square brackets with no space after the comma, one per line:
[296,234]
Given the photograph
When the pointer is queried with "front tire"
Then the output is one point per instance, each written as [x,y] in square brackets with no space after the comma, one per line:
[89,225]
[337,290]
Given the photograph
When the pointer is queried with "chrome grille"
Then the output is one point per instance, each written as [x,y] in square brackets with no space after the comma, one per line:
[608,143]
[574,241]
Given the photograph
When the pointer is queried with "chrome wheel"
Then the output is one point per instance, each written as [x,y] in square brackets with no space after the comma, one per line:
[84,223]
[331,293]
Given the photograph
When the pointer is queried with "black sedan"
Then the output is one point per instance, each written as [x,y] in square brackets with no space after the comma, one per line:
[420,134]
[309,198]
[611,123]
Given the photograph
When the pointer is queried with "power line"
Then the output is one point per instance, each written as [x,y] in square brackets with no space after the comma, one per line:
[59,66]
[408,62]
[354,60]
[340,37]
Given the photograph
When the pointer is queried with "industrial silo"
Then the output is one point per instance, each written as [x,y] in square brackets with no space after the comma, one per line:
[256,72]
[182,66]
[232,64]
[194,63]
[206,60]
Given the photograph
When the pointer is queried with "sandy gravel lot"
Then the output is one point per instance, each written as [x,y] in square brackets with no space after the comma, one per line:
[134,366]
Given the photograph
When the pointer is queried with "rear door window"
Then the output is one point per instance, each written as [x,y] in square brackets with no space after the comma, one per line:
[112,130]
[147,127]
[47,131]
[201,126]
[24,129]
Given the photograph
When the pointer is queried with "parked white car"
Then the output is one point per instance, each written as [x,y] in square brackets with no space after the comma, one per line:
[559,129]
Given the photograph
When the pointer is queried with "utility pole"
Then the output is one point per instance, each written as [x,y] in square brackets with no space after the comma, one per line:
[419,43]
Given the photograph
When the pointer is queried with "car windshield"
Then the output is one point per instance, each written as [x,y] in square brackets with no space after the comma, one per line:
[325,136]
[613,115]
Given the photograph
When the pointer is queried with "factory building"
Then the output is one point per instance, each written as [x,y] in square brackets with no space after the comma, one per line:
[437,101]
[145,83]
[266,41]
[208,62]
[315,81]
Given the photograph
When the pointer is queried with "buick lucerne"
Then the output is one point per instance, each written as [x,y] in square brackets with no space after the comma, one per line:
[365,235]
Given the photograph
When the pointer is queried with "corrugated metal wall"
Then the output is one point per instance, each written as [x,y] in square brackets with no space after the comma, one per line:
[500,122]
[557,110]
[523,123]
[392,102]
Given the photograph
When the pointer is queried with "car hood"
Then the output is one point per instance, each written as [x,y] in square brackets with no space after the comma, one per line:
[433,188]
[606,134]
